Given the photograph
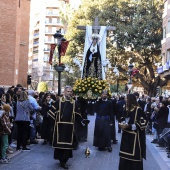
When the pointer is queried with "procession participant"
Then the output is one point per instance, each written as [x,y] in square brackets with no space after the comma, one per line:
[102,133]
[64,112]
[133,142]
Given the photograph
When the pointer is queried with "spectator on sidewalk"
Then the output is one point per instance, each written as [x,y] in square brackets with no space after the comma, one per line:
[46,125]
[6,99]
[5,130]
[23,120]
[162,117]
[35,106]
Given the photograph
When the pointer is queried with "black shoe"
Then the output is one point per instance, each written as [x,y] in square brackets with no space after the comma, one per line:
[64,166]
[34,142]
[44,143]
[115,141]
[18,148]
[154,141]
[26,149]
[101,149]
[109,149]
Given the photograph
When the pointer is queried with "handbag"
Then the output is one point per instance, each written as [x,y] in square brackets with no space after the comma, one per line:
[39,119]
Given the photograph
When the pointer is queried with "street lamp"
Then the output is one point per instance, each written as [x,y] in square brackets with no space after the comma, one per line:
[58,38]
[130,70]
[116,71]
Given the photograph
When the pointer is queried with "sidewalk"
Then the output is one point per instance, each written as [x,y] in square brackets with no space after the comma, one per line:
[158,151]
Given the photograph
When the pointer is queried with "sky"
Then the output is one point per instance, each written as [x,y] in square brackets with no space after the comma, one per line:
[75,3]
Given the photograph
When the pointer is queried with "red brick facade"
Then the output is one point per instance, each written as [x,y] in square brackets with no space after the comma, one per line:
[14,41]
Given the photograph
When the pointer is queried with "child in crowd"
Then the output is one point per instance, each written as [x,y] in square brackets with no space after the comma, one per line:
[5,130]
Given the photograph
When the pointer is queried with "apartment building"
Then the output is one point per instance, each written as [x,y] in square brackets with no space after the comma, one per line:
[14,42]
[45,21]
[164,69]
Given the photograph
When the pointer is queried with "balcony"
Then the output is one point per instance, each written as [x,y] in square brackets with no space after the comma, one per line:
[46,50]
[53,23]
[48,41]
[36,43]
[45,58]
[35,51]
[36,35]
[52,14]
[50,32]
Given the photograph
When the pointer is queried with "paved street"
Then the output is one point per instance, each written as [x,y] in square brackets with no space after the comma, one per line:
[41,157]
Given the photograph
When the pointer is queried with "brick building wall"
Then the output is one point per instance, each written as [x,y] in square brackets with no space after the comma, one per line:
[14,38]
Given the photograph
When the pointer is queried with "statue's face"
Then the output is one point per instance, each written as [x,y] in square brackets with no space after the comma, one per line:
[89,93]
[94,41]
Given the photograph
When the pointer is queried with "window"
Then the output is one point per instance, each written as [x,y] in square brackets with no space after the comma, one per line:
[164,32]
[168,55]
[50,20]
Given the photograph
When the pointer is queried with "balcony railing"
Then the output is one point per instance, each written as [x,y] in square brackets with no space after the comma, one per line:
[37,42]
[52,13]
[53,23]
[36,34]
[48,41]
[48,50]
[35,51]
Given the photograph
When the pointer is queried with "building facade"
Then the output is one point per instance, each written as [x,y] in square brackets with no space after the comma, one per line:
[45,21]
[163,70]
[14,32]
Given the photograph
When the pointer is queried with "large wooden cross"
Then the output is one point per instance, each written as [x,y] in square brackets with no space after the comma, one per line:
[96,27]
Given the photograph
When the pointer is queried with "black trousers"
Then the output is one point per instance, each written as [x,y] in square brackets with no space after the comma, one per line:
[23,131]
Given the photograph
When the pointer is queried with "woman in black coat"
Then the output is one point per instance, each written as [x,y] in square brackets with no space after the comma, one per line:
[162,117]
[46,127]
[133,146]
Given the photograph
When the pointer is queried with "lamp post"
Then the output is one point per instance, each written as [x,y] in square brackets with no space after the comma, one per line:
[116,71]
[130,70]
[58,38]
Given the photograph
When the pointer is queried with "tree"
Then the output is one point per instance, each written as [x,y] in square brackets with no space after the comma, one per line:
[137,38]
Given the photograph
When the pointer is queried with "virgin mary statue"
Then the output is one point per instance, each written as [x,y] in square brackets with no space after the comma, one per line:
[92,61]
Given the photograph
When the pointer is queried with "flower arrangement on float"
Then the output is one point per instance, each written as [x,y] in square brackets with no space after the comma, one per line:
[90,87]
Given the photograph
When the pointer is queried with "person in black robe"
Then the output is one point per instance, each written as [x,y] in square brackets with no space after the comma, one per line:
[64,112]
[133,142]
[81,131]
[92,64]
[102,133]
[112,123]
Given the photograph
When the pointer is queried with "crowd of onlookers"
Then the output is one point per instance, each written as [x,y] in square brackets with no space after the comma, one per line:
[157,114]
[24,118]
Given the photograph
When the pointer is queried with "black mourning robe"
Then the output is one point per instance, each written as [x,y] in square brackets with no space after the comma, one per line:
[93,68]
[64,112]
[81,131]
[133,142]
[102,133]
